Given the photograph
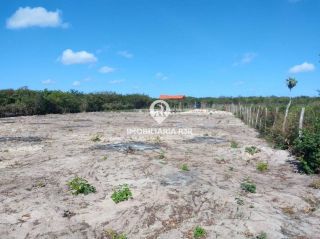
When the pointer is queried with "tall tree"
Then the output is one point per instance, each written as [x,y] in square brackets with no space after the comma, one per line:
[291,83]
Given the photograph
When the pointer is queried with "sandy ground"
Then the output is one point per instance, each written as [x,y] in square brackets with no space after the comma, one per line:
[40,154]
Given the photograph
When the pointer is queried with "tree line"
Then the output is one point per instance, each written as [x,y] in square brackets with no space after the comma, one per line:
[31,102]
[24,101]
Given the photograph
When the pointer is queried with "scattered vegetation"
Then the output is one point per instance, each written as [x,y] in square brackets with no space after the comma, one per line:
[199,232]
[184,167]
[252,150]
[122,193]
[81,186]
[234,144]
[112,234]
[262,166]
[315,184]
[248,186]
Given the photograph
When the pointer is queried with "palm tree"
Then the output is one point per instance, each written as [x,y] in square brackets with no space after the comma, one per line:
[291,83]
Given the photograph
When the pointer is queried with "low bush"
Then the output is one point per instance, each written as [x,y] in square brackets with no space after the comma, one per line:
[252,150]
[261,235]
[262,166]
[122,193]
[81,186]
[307,148]
[112,234]
[248,187]
[184,167]
[234,144]
[199,232]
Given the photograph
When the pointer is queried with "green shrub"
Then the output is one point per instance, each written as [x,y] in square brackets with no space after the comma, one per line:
[239,201]
[81,186]
[122,193]
[248,187]
[262,166]
[252,150]
[261,235]
[96,138]
[112,234]
[199,232]
[184,167]
[234,144]
[307,148]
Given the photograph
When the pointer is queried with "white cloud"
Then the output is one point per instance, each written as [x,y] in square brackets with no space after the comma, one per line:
[246,59]
[35,17]
[116,81]
[161,76]
[106,69]
[70,57]
[125,54]
[304,67]
[48,82]
[76,83]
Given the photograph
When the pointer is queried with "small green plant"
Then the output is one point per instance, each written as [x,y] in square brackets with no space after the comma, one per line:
[161,155]
[248,187]
[262,166]
[112,234]
[184,167]
[239,201]
[96,138]
[261,235]
[122,193]
[104,158]
[80,186]
[234,144]
[199,232]
[252,150]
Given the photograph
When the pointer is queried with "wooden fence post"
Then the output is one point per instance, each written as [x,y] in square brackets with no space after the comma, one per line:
[286,116]
[257,117]
[275,117]
[301,121]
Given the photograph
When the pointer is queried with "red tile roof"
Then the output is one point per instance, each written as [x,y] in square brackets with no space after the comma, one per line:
[172,97]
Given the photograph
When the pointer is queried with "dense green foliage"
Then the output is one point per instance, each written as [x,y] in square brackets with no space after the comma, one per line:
[307,148]
[268,120]
[30,102]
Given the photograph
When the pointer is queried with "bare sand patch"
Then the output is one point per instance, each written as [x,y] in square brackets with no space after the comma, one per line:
[40,154]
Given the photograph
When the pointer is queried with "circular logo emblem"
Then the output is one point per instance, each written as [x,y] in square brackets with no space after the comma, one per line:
[159,110]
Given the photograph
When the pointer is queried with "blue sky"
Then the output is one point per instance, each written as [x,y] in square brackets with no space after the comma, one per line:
[191,47]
